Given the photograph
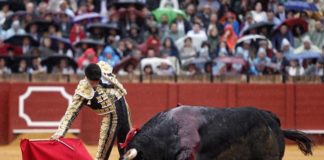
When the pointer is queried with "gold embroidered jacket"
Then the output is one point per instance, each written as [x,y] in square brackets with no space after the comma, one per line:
[101,100]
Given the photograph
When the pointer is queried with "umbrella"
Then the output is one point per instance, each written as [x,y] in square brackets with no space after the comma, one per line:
[88,41]
[86,16]
[14,6]
[258,26]
[292,22]
[125,62]
[18,40]
[126,3]
[171,13]
[231,60]
[255,38]
[42,25]
[56,40]
[304,55]
[21,16]
[51,61]
[103,27]
[154,62]
[300,6]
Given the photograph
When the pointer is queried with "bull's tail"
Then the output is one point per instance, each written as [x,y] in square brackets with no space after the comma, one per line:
[304,143]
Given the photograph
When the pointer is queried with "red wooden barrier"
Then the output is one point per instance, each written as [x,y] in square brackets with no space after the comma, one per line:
[298,106]
[4,97]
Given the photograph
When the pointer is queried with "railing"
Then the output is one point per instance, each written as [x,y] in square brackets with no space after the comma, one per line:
[270,79]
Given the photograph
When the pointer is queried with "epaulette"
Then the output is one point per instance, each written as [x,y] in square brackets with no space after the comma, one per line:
[105,68]
[84,89]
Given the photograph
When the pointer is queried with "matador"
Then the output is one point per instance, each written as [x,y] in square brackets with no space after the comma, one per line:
[102,92]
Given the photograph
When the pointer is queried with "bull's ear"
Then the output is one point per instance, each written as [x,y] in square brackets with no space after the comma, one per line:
[130,154]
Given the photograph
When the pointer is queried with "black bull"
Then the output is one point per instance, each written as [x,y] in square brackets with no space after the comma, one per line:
[201,133]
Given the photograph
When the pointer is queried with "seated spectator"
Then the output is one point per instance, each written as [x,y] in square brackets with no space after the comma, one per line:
[213,38]
[151,53]
[264,44]
[65,25]
[3,68]
[33,31]
[281,12]
[281,62]
[46,47]
[199,35]
[298,35]
[173,32]
[271,18]
[121,49]
[23,67]
[169,48]
[164,24]
[280,35]
[148,70]
[37,67]
[286,48]
[183,24]
[153,41]
[63,68]
[317,69]
[248,22]
[317,36]
[5,12]
[187,51]
[307,46]
[109,55]
[232,21]
[242,53]
[220,69]
[164,69]
[295,69]
[261,61]
[88,57]
[14,30]
[26,47]
[214,23]
[258,14]
[129,69]
[204,14]
[77,33]
[229,37]
[191,70]
[63,50]
[135,34]
[190,11]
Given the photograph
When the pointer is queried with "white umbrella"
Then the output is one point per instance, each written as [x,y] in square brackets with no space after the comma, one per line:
[253,38]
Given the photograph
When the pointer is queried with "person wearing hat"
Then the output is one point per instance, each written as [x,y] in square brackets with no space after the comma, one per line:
[286,48]
[105,95]
[248,22]
[307,46]
[261,61]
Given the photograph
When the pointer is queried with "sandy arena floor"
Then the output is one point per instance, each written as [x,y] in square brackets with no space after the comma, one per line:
[12,151]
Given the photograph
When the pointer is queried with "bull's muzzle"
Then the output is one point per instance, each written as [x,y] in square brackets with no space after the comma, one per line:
[130,154]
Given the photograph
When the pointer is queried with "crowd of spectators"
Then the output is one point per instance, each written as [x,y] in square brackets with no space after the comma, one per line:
[163,37]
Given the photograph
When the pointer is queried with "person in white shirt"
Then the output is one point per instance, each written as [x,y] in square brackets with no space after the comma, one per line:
[258,14]
[295,69]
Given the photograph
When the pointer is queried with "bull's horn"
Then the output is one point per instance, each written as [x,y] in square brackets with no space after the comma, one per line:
[130,154]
